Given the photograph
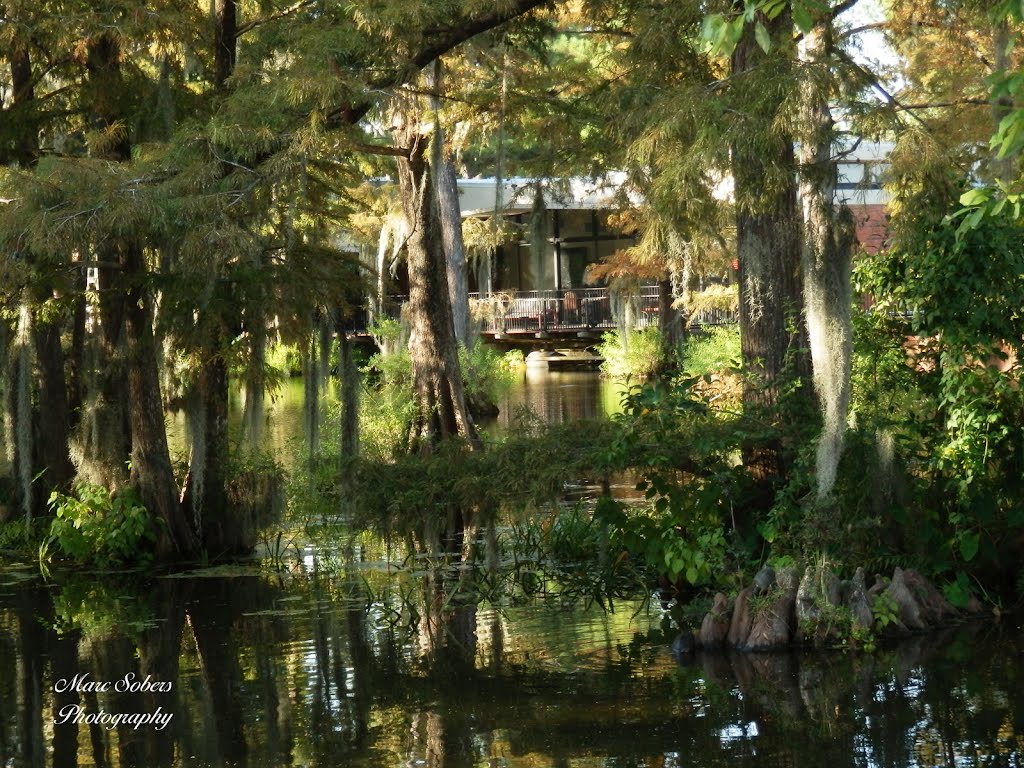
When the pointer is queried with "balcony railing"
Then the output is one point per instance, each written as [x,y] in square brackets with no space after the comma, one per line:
[566,311]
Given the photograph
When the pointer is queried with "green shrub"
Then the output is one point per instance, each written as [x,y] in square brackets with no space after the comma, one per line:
[714,349]
[636,355]
[100,528]
[487,374]
[17,535]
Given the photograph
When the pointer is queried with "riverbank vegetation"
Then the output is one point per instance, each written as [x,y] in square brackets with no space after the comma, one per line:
[866,409]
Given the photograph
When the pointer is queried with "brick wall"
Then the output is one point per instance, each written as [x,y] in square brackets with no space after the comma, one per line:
[872,226]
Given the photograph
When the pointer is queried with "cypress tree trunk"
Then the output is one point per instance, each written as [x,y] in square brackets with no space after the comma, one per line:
[671,324]
[438,389]
[21,410]
[151,462]
[768,248]
[7,373]
[106,433]
[213,390]
[349,375]
[826,256]
[450,213]
[255,379]
[49,421]
[206,493]
[53,421]
[76,354]
[311,394]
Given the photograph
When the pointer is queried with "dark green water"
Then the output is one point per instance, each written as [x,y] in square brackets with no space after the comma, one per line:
[332,669]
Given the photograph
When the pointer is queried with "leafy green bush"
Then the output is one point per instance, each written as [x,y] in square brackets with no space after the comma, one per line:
[636,355]
[687,455]
[101,528]
[17,535]
[487,374]
[714,349]
[948,312]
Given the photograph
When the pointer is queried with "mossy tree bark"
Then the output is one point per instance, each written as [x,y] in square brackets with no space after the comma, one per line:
[105,432]
[151,469]
[349,375]
[450,212]
[827,245]
[768,249]
[128,322]
[42,454]
[441,410]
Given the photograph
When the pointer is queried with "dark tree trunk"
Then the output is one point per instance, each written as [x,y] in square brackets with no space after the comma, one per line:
[50,459]
[106,433]
[53,419]
[205,494]
[349,375]
[76,355]
[210,510]
[18,404]
[104,430]
[768,249]
[209,505]
[151,461]
[440,396]
[225,31]
[255,377]
[25,149]
[671,325]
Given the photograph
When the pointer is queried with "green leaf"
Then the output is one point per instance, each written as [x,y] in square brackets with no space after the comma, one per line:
[969,546]
[772,8]
[711,28]
[763,38]
[802,17]
[974,197]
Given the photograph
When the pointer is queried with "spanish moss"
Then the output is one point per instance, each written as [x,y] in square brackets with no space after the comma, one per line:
[7,433]
[254,416]
[195,420]
[23,409]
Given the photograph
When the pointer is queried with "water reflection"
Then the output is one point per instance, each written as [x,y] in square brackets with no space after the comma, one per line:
[557,397]
[335,669]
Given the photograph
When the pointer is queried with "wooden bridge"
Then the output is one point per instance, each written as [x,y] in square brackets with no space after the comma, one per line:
[574,316]
[573,312]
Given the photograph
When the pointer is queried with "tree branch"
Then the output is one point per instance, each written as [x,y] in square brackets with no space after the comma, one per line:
[863,28]
[380,149]
[446,39]
[251,25]
[843,7]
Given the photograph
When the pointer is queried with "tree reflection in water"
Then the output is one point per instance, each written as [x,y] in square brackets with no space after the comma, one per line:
[366,669]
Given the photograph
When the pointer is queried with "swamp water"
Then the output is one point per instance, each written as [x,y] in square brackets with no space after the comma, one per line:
[361,667]
[347,658]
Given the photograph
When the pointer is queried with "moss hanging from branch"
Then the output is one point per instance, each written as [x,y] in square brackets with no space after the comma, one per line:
[23,409]
[828,242]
